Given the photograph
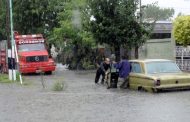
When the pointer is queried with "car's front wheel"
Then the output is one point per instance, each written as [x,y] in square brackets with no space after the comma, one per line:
[140,88]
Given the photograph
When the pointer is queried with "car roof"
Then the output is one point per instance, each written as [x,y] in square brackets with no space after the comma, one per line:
[149,60]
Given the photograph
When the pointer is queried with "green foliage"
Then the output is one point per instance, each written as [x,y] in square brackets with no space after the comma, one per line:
[180,14]
[33,16]
[58,86]
[4,78]
[71,34]
[17,76]
[2,19]
[67,28]
[154,12]
[116,24]
[30,16]
[88,65]
[181,30]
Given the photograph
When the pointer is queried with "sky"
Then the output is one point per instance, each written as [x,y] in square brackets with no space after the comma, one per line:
[182,6]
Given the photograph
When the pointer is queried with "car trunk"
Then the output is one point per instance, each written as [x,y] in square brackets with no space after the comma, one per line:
[173,78]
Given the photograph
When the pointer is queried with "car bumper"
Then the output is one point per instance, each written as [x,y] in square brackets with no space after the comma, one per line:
[171,87]
[37,69]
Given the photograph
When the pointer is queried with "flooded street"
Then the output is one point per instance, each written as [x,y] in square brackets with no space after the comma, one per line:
[83,101]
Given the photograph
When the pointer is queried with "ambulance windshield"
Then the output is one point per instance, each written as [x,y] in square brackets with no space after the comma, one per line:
[31,47]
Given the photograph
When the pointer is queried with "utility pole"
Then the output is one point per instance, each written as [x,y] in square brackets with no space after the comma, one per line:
[8,24]
[11,53]
[11,22]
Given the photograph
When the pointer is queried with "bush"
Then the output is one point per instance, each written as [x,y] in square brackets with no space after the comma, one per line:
[181,30]
[58,86]
[17,76]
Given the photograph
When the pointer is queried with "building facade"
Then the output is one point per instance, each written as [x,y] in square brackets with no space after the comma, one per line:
[161,44]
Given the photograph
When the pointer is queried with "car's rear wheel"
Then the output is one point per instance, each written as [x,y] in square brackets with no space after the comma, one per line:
[155,90]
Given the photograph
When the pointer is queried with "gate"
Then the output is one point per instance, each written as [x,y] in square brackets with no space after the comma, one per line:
[183,57]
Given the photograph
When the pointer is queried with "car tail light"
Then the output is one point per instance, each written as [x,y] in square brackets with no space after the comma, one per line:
[157,82]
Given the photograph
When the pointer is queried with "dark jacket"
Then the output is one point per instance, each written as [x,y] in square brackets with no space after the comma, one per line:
[104,67]
[124,68]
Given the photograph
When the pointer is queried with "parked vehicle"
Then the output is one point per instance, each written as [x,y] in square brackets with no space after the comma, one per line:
[33,55]
[156,75]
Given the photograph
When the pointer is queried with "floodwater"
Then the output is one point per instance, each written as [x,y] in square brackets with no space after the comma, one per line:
[83,101]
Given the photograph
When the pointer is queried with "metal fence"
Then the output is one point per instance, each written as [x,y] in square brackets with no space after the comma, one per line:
[183,65]
[183,57]
[182,51]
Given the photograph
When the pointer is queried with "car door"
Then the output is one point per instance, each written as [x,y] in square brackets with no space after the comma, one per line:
[136,75]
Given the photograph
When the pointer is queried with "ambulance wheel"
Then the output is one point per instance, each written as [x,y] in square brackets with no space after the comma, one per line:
[49,73]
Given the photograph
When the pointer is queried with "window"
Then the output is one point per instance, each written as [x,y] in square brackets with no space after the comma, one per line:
[160,35]
[162,67]
[136,68]
[31,47]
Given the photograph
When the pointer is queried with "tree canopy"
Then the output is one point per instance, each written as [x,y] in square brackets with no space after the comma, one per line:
[154,12]
[34,16]
[181,30]
[67,23]
[115,23]
[2,19]
[71,34]
[70,26]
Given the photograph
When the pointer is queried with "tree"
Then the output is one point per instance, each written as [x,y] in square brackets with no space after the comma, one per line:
[2,19]
[180,14]
[153,12]
[70,34]
[181,30]
[115,24]
[34,16]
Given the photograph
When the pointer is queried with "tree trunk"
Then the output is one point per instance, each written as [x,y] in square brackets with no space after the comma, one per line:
[127,53]
[117,53]
[136,52]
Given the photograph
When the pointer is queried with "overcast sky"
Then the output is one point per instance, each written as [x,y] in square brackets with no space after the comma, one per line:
[179,5]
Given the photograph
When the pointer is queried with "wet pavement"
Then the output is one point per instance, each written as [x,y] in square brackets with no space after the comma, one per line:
[83,101]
